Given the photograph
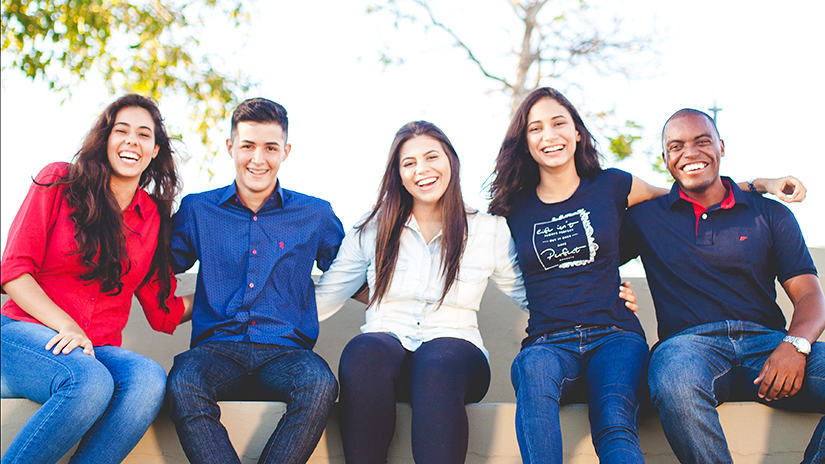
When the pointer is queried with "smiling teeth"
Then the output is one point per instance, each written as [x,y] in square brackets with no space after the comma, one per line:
[427,181]
[554,149]
[129,155]
[693,167]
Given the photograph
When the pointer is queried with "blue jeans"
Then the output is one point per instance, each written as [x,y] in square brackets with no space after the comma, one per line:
[699,368]
[225,370]
[437,379]
[604,365]
[107,401]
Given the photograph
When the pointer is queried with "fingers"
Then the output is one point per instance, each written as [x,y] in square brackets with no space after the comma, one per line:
[65,342]
[792,190]
[627,294]
[782,374]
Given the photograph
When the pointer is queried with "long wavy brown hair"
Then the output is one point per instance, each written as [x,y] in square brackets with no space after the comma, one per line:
[394,206]
[516,171]
[98,219]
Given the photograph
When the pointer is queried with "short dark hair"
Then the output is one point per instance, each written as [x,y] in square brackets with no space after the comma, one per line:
[689,112]
[259,110]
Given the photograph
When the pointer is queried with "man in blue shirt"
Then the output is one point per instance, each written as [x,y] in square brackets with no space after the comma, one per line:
[711,253]
[254,321]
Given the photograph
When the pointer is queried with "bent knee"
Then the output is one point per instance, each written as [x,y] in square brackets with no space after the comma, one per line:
[90,382]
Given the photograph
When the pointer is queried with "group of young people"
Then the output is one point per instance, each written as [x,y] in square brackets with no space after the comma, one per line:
[92,233]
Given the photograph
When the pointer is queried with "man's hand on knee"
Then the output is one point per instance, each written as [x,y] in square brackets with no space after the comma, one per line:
[782,374]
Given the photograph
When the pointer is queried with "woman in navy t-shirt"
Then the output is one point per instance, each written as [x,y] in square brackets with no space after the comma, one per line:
[565,212]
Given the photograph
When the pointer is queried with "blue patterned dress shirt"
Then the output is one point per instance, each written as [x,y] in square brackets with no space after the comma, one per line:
[254,280]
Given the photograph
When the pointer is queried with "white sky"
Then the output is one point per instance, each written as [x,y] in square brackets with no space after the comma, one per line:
[760,60]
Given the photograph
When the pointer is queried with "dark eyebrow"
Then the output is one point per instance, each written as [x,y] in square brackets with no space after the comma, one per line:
[129,125]
[554,117]
[265,143]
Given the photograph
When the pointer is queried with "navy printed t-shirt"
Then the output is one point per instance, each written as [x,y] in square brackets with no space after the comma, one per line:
[569,256]
[720,264]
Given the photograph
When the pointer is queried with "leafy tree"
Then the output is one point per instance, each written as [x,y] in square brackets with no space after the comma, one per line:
[149,47]
[554,40]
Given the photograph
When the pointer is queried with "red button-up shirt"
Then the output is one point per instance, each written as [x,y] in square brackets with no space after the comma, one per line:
[41,242]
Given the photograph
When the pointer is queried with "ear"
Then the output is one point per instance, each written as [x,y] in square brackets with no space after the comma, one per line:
[155,151]
[578,137]
[287,149]
[229,147]
[721,147]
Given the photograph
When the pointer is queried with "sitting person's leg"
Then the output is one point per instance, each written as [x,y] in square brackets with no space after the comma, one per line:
[445,374]
[542,375]
[302,380]
[199,378]
[615,371]
[139,387]
[759,343]
[74,390]
[690,374]
[371,364]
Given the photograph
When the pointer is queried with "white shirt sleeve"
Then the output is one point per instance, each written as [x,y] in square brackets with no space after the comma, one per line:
[507,274]
[346,275]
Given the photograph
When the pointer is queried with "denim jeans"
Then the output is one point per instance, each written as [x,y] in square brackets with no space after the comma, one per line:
[605,365]
[226,370]
[107,401]
[699,368]
[437,379]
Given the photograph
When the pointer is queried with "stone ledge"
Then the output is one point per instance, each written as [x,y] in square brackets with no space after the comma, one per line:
[756,434]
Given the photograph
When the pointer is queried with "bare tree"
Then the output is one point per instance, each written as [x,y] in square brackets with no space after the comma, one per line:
[557,39]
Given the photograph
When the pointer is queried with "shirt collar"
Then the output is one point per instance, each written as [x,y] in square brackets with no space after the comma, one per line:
[734,197]
[140,202]
[277,199]
[412,223]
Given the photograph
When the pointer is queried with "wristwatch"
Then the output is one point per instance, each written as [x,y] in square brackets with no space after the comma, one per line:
[800,343]
[752,187]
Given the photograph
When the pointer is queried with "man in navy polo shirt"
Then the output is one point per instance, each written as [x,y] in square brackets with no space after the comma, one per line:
[711,253]
[254,321]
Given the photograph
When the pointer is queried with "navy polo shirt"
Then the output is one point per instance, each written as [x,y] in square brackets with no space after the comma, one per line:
[715,265]
[254,280]
[569,256]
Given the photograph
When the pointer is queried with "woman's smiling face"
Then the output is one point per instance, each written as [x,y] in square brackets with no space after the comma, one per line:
[551,134]
[425,170]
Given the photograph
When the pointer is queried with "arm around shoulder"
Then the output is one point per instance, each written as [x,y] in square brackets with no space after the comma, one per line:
[642,191]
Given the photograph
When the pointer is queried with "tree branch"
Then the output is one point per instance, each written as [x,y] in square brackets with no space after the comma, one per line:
[461,44]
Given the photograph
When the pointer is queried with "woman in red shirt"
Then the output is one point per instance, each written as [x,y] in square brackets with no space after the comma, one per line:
[89,236]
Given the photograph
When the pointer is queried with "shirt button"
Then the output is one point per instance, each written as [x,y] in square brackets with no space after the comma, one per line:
[705,216]
[254,251]
[254,218]
[86,323]
[251,285]
[92,298]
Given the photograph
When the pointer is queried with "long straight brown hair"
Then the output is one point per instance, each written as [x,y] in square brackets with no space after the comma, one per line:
[516,171]
[101,242]
[394,206]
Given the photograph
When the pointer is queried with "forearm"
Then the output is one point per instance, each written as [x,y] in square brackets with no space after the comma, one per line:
[759,184]
[27,293]
[808,319]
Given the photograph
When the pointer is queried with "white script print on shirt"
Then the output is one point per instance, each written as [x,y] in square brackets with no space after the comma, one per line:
[565,241]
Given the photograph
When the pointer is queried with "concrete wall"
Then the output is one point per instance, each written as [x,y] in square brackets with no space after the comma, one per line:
[756,433]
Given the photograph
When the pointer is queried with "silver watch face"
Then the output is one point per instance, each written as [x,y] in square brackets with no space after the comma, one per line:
[800,343]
